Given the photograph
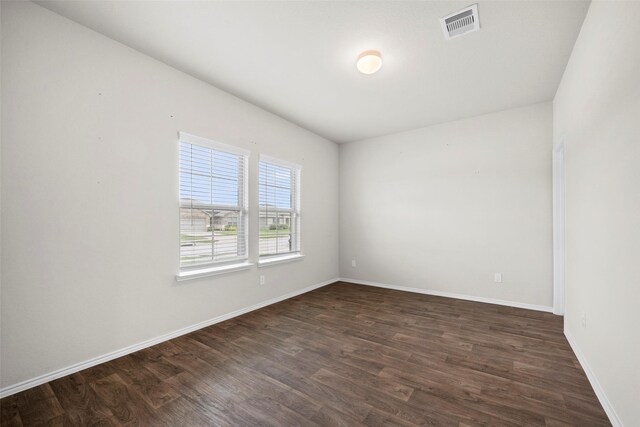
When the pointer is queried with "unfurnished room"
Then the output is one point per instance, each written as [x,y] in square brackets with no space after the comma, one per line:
[320,213]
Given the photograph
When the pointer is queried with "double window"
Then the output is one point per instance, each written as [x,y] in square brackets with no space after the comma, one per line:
[213,213]
[213,207]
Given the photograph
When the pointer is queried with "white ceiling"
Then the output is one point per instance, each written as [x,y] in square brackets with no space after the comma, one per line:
[297,59]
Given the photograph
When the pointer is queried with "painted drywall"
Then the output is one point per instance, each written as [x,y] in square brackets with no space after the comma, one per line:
[90,195]
[445,207]
[306,51]
[597,114]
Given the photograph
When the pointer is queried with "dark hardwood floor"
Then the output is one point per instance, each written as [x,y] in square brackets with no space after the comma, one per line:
[341,355]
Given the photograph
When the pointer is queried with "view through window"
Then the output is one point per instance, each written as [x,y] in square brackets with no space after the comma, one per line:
[279,208]
[212,205]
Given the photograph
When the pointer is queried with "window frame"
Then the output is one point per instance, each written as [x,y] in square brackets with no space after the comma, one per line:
[295,212]
[230,264]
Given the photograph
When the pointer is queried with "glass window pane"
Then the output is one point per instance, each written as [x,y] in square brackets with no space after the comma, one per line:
[278,221]
[210,178]
[225,226]
[196,239]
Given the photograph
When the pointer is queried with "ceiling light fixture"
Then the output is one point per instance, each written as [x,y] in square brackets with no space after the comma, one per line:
[369,61]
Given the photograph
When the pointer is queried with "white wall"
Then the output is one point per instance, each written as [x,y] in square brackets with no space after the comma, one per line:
[445,207]
[90,193]
[597,112]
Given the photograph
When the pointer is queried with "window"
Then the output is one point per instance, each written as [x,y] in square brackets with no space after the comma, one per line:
[279,199]
[213,216]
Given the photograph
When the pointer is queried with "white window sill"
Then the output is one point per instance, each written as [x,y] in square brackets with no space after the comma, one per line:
[212,271]
[266,262]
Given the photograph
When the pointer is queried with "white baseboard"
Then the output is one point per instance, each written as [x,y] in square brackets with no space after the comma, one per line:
[34,382]
[450,295]
[597,388]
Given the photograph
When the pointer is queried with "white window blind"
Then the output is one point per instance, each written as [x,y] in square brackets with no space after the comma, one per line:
[279,200]
[213,217]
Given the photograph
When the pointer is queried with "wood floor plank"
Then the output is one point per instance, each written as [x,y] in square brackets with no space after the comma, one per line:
[154,361]
[353,409]
[153,390]
[39,405]
[182,412]
[356,391]
[329,416]
[9,414]
[216,404]
[342,355]
[79,400]
[127,407]
[278,392]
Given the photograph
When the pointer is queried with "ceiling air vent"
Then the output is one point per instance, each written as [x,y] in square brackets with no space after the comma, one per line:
[461,22]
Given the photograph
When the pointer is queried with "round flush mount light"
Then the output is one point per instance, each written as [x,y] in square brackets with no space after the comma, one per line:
[369,62]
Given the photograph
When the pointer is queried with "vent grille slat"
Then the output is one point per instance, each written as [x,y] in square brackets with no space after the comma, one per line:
[461,22]
[467,20]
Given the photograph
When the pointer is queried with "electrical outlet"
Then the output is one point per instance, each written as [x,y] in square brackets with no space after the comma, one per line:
[497,277]
[583,320]
[353,263]
[262,280]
